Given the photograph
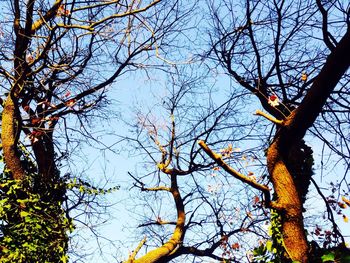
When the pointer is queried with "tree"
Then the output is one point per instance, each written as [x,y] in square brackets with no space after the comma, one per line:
[52,56]
[59,59]
[186,216]
[292,56]
[293,82]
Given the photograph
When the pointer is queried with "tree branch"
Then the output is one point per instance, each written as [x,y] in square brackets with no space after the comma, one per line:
[269,117]
[301,119]
[245,179]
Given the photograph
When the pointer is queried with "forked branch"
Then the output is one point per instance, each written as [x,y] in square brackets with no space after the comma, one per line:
[243,178]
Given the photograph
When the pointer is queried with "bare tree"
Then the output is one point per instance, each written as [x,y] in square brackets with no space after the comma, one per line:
[58,58]
[193,210]
[292,56]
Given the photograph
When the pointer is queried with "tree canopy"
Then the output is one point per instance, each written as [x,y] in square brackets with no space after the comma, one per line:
[233,149]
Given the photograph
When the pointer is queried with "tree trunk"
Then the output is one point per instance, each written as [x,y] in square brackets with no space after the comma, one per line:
[9,134]
[288,204]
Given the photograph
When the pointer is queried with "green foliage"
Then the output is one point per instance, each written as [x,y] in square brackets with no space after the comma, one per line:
[33,224]
[272,251]
[85,187]
[339,254]
[329,256]
[300,163]
[31,229]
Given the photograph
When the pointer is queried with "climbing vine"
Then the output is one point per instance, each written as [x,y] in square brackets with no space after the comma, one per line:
[273,250]
[32,230]
[34,227]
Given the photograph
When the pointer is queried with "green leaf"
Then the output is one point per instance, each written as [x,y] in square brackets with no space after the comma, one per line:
[328,257]
[24,214]
[269,245]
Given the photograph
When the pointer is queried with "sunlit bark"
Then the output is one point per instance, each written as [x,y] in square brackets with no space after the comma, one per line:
[9,137]
[293,130]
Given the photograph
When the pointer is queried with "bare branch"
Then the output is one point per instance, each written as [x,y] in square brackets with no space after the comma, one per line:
[243,178]
[269,117]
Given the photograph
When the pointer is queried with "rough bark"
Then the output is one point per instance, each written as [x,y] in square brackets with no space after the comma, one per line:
[9,136]
[289,205]
[291,132]
[11,121]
